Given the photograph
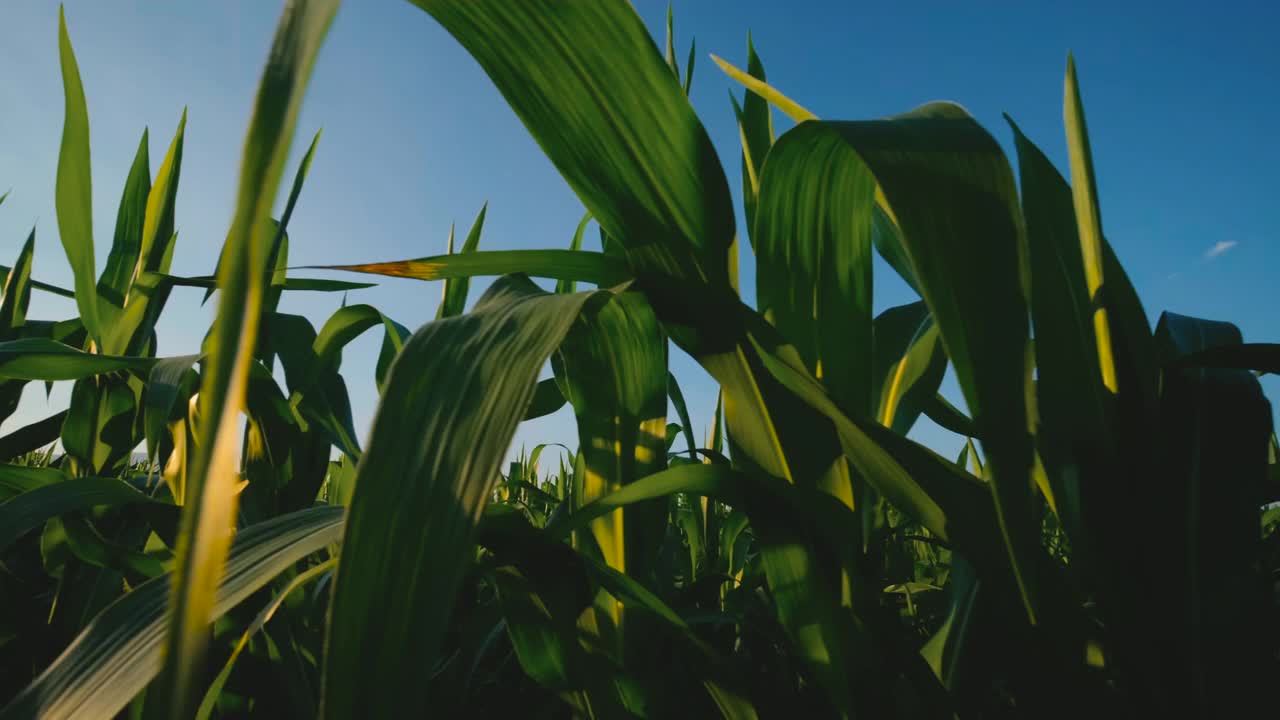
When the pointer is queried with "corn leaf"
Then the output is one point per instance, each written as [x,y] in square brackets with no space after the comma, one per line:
[32,437]
[812,237]
[909,365]
[943,177]
[209,512]
[433,456]
[455,289]
[125,245]
[579,265]
[120,651]
[29,510]
[1084,192]
[660,158]
[74,197]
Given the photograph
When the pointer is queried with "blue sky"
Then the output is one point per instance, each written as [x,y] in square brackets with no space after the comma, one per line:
[1181,101]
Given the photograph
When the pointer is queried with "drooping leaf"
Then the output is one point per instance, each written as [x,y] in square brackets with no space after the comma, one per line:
[661,159]
[547,398]
[434,452]
[909,364]
[164,386]
[32,437]
[812,238]
[943,177]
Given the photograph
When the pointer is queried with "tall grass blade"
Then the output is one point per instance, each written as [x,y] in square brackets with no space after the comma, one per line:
[209,513]
[74,198]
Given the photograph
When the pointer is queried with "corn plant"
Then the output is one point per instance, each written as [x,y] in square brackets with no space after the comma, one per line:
[1100,546]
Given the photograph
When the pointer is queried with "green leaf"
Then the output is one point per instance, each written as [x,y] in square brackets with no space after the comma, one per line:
[755,126]
[43,359]
[664,196]
[210,506]
[17,290]
[1076,437]
[120,651]
[909,365]
[164,387]
[438,439]
[143,301]
[759,87]
[36,284]
[570,286]
[612,367]
[31,509]
[18,479]
[1084,191]
[32,437]
[950,188]
[455,289]
[682,411]
[547,398]
[941,411]
[114,283]
[74,197]
[579,265]
[259,621]
[812,238]
[888,241]
[278,257]
[292,284]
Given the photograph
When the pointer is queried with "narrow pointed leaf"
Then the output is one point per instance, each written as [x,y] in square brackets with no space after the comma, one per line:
[209,512]
[455,289]
[1084,191]
[580,265]
[74,197]
[120,651]
[123,256]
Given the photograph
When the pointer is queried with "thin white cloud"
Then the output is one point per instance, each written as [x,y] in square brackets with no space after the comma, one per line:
[1173,276]
[1218,248]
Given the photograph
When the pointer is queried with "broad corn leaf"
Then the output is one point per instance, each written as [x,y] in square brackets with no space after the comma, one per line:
[433,456]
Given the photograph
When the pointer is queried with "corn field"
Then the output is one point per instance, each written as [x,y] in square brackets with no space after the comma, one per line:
[1106,545]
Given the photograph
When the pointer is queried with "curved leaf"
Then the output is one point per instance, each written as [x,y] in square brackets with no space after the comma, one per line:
[453,399]
[664,197]
[115,657]
[948,185]
[454,300]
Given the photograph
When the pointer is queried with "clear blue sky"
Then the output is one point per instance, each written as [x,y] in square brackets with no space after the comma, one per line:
[1182,102]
